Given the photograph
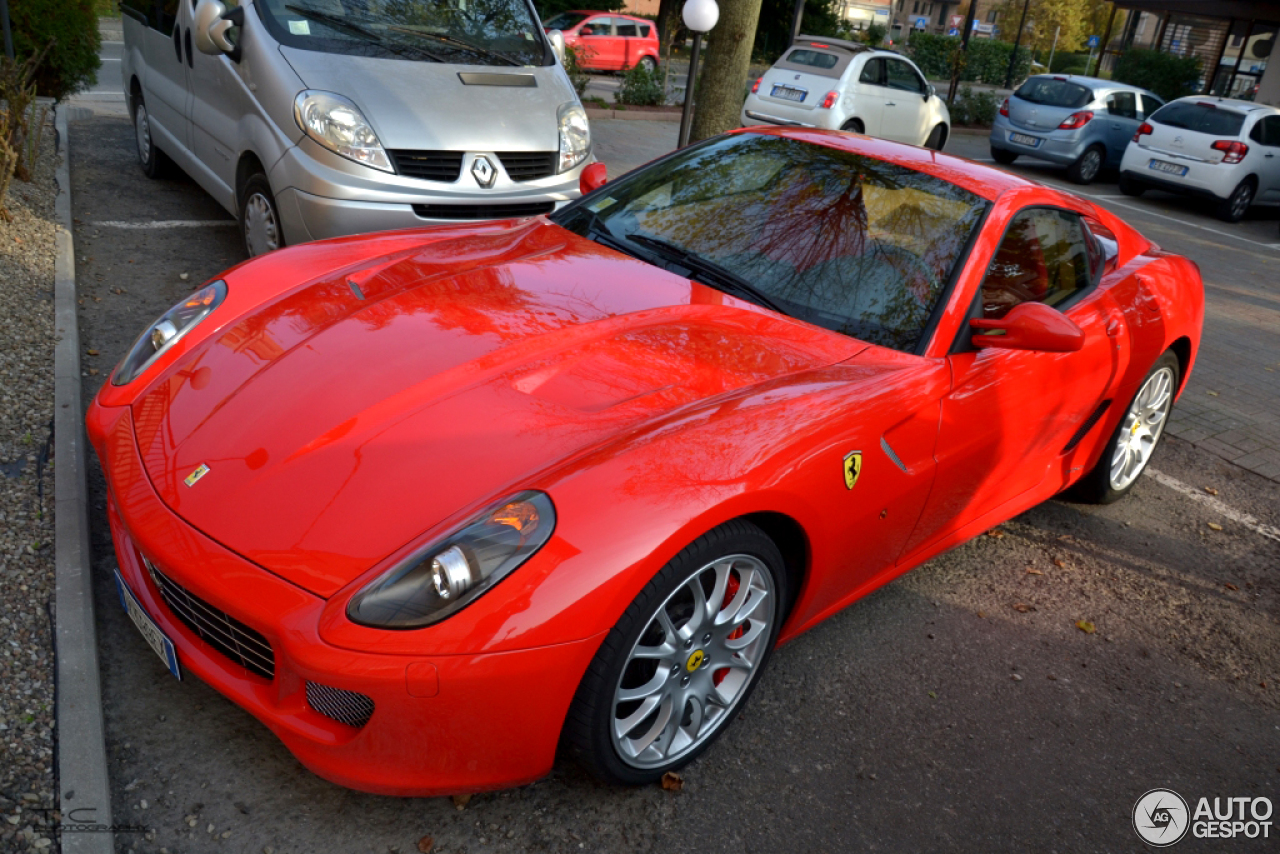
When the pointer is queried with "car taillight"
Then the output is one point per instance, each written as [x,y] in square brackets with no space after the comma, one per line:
[755,87]
[1076,120]
[1004,108]
[1143,128]
[1234,150]
[829,101]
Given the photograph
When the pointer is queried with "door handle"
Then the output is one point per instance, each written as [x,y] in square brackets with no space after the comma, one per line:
[1113,327]
[890,104]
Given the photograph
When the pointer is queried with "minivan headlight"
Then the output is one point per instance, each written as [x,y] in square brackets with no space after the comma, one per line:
[575,135]
[165,332]
[337,124]
[451,573]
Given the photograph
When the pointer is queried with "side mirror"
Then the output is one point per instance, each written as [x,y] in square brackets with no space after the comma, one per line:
[556,38]
[587,31]
[930,94]
[592,178]
[1029,326]
[212,23]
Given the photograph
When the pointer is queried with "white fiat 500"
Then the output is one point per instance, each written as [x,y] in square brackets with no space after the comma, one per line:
[839,85]
[1223,149]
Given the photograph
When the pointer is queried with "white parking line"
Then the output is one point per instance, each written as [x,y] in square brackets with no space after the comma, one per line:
[1219,507]
[165,223]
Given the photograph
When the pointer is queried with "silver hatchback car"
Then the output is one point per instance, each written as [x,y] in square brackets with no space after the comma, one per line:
[1082,123]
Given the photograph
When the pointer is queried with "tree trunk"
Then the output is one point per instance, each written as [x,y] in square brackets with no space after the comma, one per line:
[724,73]
[668,21]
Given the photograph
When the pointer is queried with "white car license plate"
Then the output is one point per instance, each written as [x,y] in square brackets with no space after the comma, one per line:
[1023,139]
[788,93]
[1170,168]
[150,631]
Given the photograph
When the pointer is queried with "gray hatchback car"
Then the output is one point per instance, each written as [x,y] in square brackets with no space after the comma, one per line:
[1082,123]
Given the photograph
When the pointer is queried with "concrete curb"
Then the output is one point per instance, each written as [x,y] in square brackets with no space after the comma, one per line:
[85,791]
[636,115]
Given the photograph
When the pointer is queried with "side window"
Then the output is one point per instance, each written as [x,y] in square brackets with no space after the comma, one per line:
[167,13]
[873,72]
[903,76]
[626,28]
[1150,105]
[600,26]
[645,29]
[138,9]
[1267,131]
[1123,104]
[1044,257]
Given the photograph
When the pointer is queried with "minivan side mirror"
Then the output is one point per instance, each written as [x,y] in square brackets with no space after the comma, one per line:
[592,178]
[556,38]
[212,21]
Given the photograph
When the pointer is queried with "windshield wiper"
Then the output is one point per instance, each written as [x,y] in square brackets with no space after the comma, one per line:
[340,23]
[713,273]
[482,51]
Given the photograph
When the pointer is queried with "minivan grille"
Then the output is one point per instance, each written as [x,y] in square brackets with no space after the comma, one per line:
[345,707]
[217,628]
[528,165]
[490,211]
[428,165]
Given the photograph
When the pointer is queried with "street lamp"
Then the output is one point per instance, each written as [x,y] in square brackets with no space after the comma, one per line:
[699,16]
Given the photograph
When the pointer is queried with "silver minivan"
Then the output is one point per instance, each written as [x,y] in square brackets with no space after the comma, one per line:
[309,119]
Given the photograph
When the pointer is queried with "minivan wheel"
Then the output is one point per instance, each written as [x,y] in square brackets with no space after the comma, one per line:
[154,161]
[259,217]
[1086,167]
[648,63]
[1003,156]
[1131,186]
[1233,207]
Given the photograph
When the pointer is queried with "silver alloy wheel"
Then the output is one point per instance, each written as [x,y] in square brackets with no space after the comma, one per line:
[142,129]
[648,64]
[1240,200]
[695,659]
[1141,428]
[261,230]
[1090,164]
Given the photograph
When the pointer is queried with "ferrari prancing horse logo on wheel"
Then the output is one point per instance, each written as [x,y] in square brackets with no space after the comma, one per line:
[852,468]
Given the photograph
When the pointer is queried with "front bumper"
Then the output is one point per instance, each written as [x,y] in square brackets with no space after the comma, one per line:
[442,723]
[1056,146]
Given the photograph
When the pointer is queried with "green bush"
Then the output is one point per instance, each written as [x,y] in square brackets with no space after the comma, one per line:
[974,108]
[573,67]
[1168,76]
[874,34]
[71,27]
[641,88]
[987,60]
[1069,63]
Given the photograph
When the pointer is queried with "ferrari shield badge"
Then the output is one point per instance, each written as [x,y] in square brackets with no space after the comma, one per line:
[852,468]
[202,470]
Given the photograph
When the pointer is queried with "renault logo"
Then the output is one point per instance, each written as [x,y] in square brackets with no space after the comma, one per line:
[483,171]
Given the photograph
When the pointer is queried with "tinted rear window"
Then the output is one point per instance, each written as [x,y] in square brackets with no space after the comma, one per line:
[1202,118]
[814,58]
[1054,93]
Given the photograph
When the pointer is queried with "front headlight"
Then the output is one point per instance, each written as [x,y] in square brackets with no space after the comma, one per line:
[449,575]
[575,136]
[337,124]
[166,331]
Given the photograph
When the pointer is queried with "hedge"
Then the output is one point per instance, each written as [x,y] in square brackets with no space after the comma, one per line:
[72,27]
[987,61]
[1168,76]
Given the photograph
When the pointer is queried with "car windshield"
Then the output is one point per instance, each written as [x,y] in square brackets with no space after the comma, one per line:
[565,21]
[841,240]
[1200,117]
[1053,92]
[471,32]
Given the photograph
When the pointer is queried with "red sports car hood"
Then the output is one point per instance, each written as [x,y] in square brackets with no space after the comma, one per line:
[348,417]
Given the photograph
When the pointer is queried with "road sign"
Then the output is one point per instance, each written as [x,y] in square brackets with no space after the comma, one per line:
[1093,41]
[957,21]
[953,31]
[922,23]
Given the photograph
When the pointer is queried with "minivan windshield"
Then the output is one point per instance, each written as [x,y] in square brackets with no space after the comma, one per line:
[469,32]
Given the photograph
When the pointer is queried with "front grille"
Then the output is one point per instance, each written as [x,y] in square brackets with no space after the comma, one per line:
[428,165]
[345,707]
[528,165]
[217,628]
[491,211]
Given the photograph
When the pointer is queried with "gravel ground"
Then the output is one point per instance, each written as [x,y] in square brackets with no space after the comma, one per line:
[26,508]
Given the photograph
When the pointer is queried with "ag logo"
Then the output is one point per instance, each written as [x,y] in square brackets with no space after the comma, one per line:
[852,468]
[1161,818]
[695,660]
[483,171]
[200,471]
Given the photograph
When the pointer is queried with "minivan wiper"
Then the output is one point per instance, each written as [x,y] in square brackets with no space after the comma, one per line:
[482,51]
[715,275]
[336,22]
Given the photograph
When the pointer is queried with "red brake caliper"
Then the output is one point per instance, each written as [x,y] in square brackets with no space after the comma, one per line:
[730,590]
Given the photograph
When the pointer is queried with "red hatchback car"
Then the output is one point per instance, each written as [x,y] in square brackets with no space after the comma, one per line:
[431,504]
[608,41]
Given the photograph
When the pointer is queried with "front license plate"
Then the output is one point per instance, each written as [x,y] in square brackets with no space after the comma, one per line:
[1170,168]
[788,93]
[150,631]
[1023,139]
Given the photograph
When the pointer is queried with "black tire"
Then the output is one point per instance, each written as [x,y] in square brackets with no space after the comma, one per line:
[690,675]
[1102,485]
[1003,156]
[648,63]
[260,226]
[937,138]
[1234,206]
[155,163]
[853,126]
[1131,186]
[1087,166]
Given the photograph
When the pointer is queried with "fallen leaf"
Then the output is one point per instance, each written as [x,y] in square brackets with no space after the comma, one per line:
[425,844]
[460,801]
[1016,678]
[1031,570]
[93,372]
[982,615]
[1214,526]
[672,782]
[1213,394]
[1229,585]
[1058,562]
[17,240]
[1085,626]
[996,533]
[933,695]
[1066,538]
[1023,608]
[1211,490]
[184,276]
